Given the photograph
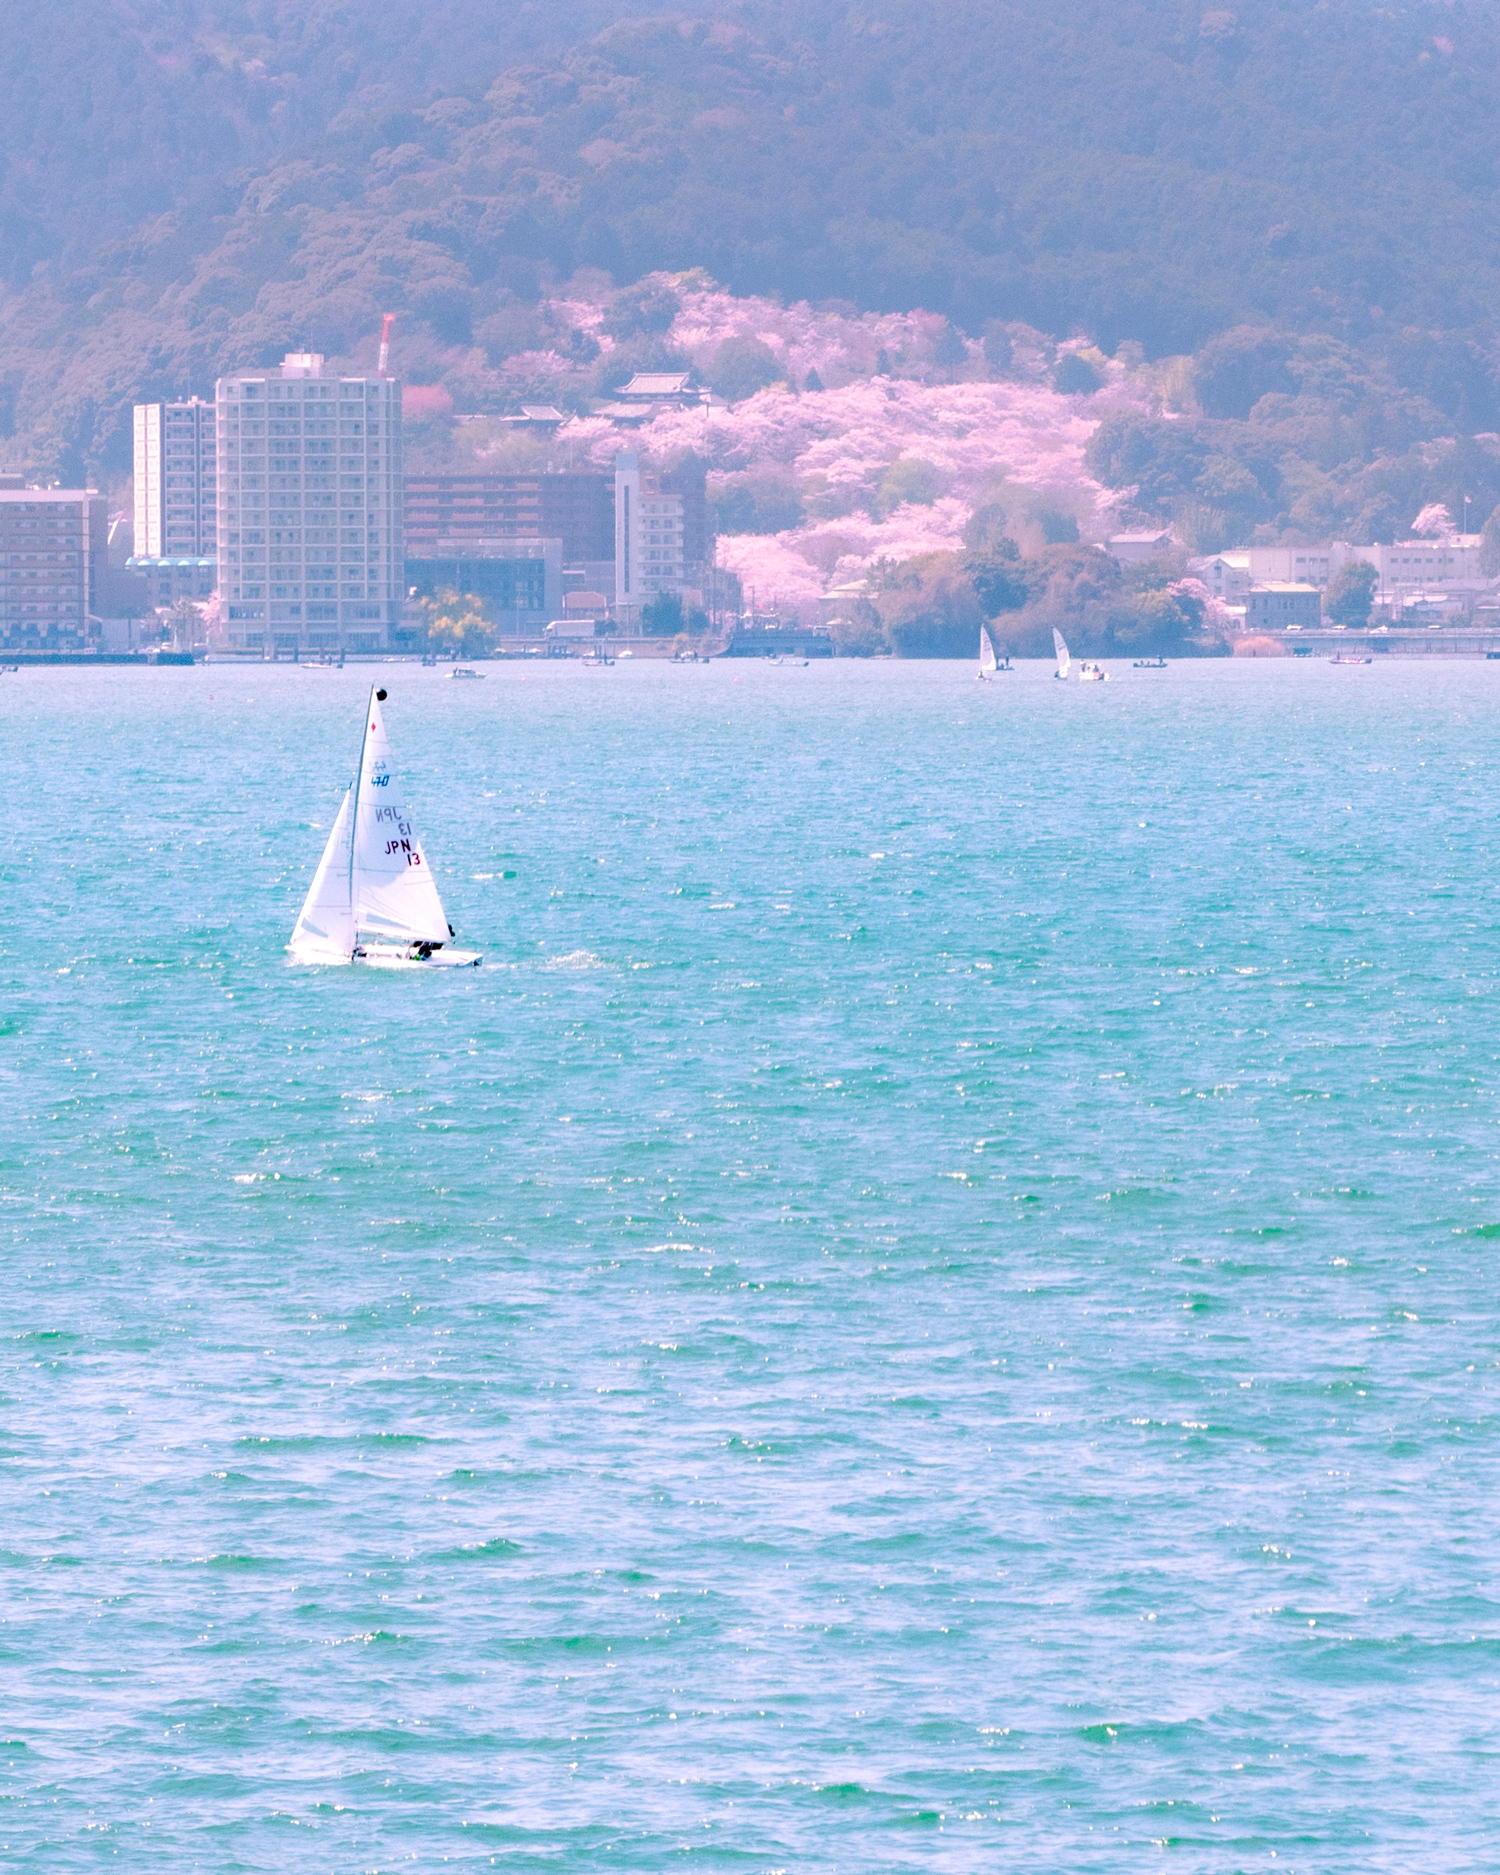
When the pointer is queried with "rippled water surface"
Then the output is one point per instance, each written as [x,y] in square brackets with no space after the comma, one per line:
[932,1306]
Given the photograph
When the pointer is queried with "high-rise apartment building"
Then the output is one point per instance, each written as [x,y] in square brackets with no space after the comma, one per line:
[52,555]
[176,504]
[309,521]
[661,532]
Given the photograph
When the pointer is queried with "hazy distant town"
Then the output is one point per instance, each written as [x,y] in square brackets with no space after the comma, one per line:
[834,483]
[280,522]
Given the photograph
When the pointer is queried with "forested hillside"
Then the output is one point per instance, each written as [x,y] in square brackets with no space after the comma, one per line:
[186,185]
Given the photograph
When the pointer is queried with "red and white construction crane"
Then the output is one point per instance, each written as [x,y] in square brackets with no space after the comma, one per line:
[385,346]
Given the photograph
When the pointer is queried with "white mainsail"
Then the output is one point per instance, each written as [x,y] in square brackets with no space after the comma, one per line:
[393,891]
[1059,645]
[373,878]
[986,652]
[325,931]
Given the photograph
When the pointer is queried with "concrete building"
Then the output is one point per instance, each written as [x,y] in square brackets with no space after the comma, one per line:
[1282,605]
[176,502]
[577,508]
[521,581]
[1131,549]
[1305,566]
[167,581]
[1226,575]
[1407,567]
[661,534]
[53,554]
[310,543]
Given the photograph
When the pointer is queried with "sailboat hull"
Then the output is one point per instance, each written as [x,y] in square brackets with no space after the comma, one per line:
[410,957]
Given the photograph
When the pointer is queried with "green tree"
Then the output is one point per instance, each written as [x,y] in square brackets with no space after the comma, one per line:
[998,576]
[1076,375]
[1058,529]
[763,503]
[929,609]
[662,617]
[998,349]
[1349,593]
[949,353]
[1489,552]
[1234,371]
[743,366]
[1162,620]
[909,479]
[647,310]
[458,623]
[985,528]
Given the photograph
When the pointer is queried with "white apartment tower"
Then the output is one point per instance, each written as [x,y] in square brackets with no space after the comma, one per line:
[661,542]
[175,500]
[309,527]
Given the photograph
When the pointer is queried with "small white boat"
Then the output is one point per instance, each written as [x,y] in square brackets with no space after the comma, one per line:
[373,899]
[987,660]
[462,670]
[1064,662]
[1092,674]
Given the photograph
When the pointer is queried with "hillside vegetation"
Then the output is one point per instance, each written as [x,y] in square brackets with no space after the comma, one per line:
[188,186]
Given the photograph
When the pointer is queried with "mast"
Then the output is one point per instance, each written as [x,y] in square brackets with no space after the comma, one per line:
[376,696]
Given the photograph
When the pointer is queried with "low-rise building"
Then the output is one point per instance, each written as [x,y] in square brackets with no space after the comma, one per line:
[1404,566]
[53,556]
[167,581]
[575,507]
[1226,575]
[1283,605]
[1409,566]
[1132,549]
[1303,565]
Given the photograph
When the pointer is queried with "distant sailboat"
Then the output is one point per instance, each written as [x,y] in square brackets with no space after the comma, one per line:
[987,659]
[373,899]
[1064,662]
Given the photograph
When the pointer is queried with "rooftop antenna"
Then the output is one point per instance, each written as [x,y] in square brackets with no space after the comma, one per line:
[384,360]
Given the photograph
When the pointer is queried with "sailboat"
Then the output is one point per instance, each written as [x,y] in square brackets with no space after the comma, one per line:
[987,660]
[373,899]
[1060,646]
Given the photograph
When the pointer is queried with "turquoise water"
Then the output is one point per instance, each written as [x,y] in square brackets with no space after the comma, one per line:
[932,1306]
